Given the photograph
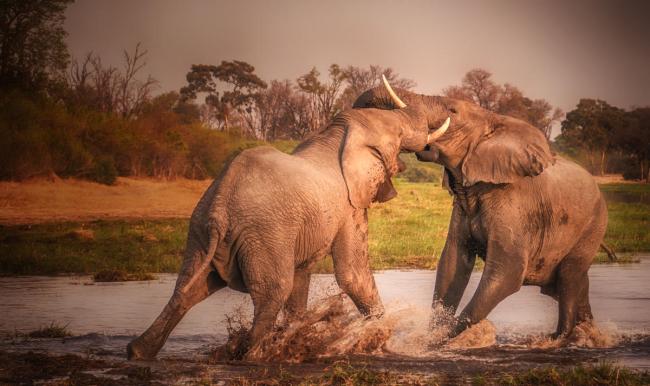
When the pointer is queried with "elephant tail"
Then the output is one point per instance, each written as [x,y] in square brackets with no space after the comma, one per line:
[214,236]
[610,252]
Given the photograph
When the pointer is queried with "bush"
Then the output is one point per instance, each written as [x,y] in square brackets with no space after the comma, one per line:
[419,174]
[104,171]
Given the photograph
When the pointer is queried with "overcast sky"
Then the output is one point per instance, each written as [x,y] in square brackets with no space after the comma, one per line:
[557,50]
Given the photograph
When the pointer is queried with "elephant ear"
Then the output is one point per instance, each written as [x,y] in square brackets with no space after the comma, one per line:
[507,153]
[369,159]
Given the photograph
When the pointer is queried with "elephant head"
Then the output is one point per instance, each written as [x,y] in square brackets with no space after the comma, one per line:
[477,146]
[373,140]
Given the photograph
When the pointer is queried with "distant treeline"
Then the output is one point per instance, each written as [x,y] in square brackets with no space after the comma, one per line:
[608,139]
[82,118]
[44,138]
[601,137]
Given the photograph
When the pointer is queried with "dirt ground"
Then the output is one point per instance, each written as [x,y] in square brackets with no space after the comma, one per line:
[39,201]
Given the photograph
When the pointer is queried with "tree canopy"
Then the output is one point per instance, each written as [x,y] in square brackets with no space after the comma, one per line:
[478,87]
[33,52]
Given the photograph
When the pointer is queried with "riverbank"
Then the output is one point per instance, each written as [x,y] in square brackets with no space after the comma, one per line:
[70,226]
[83,370]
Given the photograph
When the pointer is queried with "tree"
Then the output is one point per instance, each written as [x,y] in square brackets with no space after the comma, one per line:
[32,48]
[323,97]
[591,127]
[275,115]
[361,79]
[478,87]
[539,113]
[223,106]
[634,140]
[107,89]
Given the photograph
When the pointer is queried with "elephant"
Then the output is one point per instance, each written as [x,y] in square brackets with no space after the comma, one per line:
[534,217]
[270,216]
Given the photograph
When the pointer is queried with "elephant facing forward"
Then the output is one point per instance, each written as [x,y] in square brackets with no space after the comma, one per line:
[261,225]
[535,218]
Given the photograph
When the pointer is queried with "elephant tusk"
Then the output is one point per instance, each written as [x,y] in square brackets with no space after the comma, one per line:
[392,94]
[431,137]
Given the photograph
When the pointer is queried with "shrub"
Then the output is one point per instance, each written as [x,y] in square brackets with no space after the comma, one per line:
[104,171]
[419,174]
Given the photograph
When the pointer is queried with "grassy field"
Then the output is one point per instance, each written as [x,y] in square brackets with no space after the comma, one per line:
[407,232]
[628,230]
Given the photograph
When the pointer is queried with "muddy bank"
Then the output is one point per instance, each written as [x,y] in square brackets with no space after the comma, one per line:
[468,368]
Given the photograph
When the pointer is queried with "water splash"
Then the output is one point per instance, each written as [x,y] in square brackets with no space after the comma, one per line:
[333,327]
[585,335]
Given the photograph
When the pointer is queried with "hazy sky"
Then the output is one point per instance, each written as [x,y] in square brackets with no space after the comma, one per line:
[557,50]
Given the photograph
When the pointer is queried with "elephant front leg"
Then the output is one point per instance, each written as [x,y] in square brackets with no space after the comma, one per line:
[455,265]
[503,275]
[352,265]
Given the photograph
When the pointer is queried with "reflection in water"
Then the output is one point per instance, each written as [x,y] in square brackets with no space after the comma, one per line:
[113,311]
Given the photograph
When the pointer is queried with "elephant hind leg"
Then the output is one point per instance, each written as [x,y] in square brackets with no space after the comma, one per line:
[573,297]
[297,302]
[269,279]
[584,308]
[147,345]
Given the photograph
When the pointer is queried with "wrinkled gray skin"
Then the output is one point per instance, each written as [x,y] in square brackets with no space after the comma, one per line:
[535,218]
[263,223]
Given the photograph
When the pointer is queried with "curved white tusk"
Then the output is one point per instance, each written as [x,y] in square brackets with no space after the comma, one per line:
[392,94]
[439,132]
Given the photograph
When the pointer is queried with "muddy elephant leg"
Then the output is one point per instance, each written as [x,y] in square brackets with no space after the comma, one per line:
[584,307]
[297,302]
[147,345]
[455,265]
[503,275]
[269,279]
[573,289]
[352,265]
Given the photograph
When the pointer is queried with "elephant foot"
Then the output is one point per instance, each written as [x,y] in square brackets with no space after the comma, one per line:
[459,327]
[375,313]
[135,351]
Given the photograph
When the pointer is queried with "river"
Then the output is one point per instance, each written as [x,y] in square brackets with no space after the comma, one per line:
[105,316]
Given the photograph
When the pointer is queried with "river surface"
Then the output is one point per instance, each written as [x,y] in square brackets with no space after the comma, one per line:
[104,316]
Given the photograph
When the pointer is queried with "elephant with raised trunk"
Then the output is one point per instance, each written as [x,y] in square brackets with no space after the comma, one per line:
[270,216]
[533,217]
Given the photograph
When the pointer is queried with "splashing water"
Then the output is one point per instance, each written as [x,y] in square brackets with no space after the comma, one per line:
[332,327]
[585,335]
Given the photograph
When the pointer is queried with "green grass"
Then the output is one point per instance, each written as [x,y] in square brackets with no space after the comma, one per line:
[115,275]
[628,230]
[410,231]
[131,246]
[345,373]
[590,375]
[407,232]
[54,330]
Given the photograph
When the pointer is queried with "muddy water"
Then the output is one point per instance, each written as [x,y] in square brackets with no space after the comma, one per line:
[105,315]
